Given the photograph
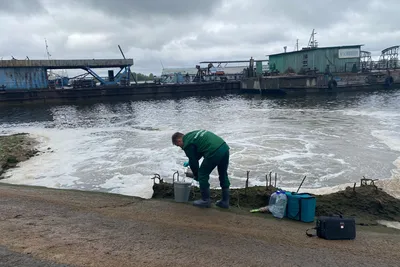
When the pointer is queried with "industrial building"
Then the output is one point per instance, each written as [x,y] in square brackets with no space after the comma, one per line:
[321,59]
[32,74]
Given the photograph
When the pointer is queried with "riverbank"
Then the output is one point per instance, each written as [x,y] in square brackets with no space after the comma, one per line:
[368,204]
[98,229]
[14,149]
[43,226]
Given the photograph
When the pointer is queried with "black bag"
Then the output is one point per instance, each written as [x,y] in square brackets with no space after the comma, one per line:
[335,228]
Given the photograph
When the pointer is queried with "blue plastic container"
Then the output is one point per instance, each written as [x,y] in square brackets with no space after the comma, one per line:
[300,207]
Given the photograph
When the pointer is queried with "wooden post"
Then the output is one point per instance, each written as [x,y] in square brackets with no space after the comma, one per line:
[270,177]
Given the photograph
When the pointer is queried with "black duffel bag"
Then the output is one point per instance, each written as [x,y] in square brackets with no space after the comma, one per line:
[334,228]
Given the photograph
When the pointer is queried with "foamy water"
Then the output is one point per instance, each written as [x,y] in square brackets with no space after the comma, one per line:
[117,147]
[395,225]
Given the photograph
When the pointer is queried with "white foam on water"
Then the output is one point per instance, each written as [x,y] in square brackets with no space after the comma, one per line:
[379,114]
[389,137]
[120,159]
[94,159]
[125,185]
[320,190]
[392,140]
[113,150]
[46,170]
[390,224]
[290,154]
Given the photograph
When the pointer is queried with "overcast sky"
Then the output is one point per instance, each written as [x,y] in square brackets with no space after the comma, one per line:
[180,33]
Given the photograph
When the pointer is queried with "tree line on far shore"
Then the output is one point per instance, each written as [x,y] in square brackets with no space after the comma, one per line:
[143,77]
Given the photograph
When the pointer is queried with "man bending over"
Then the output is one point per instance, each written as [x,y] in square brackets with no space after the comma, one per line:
[215,151]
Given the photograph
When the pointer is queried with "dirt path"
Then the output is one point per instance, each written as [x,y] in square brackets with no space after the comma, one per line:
[93,229]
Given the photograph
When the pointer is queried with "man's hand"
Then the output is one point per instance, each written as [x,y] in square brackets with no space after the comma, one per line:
[189,174]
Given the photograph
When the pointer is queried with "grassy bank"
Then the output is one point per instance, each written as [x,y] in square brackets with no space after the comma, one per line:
[367,203]
[14,149]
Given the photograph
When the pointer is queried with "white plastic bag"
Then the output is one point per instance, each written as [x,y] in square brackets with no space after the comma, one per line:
[278,204]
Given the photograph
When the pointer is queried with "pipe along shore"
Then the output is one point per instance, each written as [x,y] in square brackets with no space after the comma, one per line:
[366,202]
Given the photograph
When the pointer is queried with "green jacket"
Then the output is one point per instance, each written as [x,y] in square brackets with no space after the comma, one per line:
[198,144]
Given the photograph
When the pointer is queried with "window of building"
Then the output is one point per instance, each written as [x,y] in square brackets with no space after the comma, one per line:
[305,60]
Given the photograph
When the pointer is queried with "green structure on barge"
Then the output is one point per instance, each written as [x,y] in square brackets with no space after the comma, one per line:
[314,69]
[320,59]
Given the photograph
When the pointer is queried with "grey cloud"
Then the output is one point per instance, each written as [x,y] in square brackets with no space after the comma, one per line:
[149,8]
[182,33]
[151,33]
[310,13]
[22,7]
[245,35]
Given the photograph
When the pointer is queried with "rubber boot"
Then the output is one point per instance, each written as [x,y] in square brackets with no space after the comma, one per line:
[205,201]
[224,202]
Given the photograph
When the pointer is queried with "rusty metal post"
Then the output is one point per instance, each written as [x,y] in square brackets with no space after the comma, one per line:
[301,184]
[247,183]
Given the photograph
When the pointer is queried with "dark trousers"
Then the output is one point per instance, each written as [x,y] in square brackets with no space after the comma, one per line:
[219,159]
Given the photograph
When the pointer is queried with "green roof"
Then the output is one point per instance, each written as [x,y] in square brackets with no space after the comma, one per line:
[317,48]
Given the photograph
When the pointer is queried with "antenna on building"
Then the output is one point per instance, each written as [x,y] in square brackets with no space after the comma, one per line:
[47,49]
[284,48]
[312,43]
[48,54]
[296,46]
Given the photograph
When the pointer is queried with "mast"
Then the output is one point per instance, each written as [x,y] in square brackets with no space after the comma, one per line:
[312,43]
[47,51]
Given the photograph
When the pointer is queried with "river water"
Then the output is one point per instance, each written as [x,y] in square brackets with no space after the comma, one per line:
[117,146]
